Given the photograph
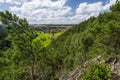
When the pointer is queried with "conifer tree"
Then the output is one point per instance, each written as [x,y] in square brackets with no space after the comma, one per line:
[24,44]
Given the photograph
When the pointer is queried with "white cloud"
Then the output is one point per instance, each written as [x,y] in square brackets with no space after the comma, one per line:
[17,2]
[111,2]
[48,11]
[2,1]
[43,10]
[85,10]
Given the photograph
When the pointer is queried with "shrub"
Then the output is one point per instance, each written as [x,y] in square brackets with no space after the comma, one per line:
[97,71]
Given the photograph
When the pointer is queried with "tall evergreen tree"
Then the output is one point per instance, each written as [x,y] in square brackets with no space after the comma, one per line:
[23,42]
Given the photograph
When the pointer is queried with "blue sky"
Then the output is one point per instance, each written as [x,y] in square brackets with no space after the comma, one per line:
[56,11]
[75,3]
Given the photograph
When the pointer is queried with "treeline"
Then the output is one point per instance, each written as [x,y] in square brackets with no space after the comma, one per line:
[26,54]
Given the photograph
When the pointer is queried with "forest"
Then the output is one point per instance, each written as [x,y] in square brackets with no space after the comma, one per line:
[29,54]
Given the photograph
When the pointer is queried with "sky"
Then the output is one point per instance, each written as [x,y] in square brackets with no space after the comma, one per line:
[56,11]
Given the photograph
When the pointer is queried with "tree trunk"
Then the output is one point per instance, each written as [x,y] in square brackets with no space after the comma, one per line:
[33,67]
[32,61]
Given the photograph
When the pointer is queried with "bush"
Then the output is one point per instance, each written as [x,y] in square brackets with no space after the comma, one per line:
[97,71]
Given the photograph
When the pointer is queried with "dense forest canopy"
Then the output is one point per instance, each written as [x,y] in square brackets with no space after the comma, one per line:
[27,54]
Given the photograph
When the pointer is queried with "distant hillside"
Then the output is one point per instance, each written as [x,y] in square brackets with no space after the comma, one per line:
[93,37]
[51,27]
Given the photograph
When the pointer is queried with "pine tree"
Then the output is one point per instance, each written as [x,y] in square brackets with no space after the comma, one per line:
[24,44]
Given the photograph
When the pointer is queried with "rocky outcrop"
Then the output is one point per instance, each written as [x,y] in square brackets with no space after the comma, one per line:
[77,73]
[115,69]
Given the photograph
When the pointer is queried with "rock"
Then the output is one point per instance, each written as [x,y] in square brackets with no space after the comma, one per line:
[116,66]
[115,77]
[77,73]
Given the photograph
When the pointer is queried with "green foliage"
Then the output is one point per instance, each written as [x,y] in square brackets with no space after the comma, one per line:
[24,52]
[93,37]
[116,7]
[42,40]
[4,44]
[97,71]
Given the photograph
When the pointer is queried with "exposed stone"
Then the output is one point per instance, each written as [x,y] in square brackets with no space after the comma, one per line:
[77,73]
[116,66]
[115,77]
